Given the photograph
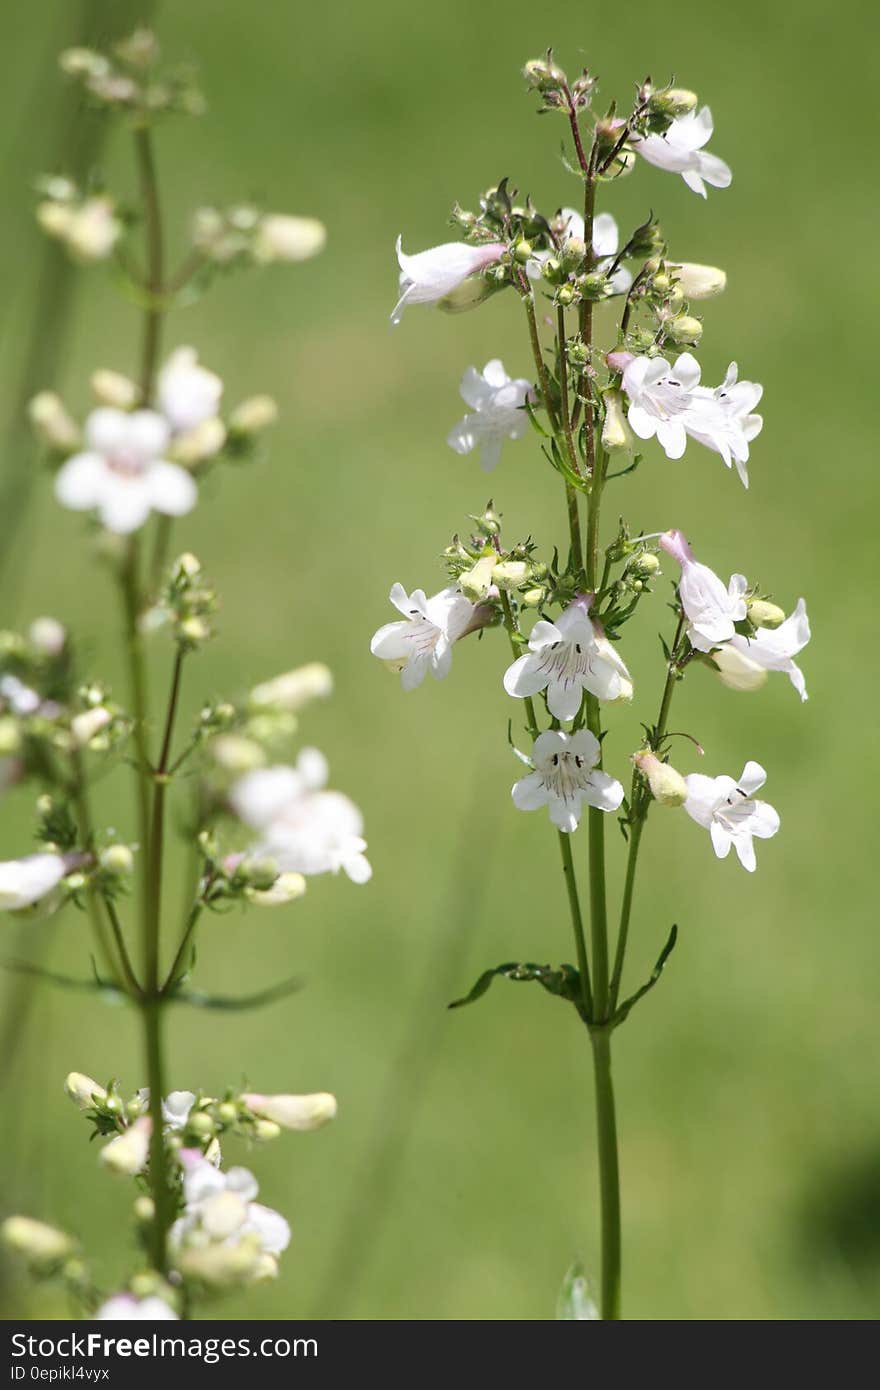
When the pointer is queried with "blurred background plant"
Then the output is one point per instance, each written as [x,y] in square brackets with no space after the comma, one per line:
[752,1127]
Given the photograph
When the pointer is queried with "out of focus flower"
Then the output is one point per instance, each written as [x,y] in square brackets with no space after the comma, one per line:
[728,810]
[496,414]
[89,229]
[40,1244]
[24,882]
[224,1236]
[283,238]
[293,690]
[293,1112]
[126,1306]
[127,1152]
[52,422]
[566,776]
[188,393]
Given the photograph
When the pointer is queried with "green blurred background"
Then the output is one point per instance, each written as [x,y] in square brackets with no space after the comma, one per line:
[459,1179]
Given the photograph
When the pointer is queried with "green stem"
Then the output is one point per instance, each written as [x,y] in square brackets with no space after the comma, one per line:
[176,970]
[609,1176]
[87,838]
[149,186]
[159,1168]
[540,365]
[124,958]
[138,683]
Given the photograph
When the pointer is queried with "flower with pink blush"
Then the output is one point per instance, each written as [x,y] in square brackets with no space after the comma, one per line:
[711,609]
[430,275]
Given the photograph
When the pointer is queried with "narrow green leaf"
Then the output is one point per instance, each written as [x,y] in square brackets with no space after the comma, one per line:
[628,1004]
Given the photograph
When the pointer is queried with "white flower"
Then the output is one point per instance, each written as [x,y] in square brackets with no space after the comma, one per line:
[566,658]
[42,1245]
[711,609]
[293,690]
[565,777]
[744,661]
[423,641]
[25,881]
[728,811]
[128,1152]
[188,393]
[496,402]
[89,230]
[131,1309]
[18,696]
[280,237]
[303,828]
[123,472]
[175,1109]
[662,399]
[680,151]
[430,275]
[293,1112]
[83,1091]
[606,242]
[698,281]
[731,425]
[221,1207]
[53,423]
[47,636]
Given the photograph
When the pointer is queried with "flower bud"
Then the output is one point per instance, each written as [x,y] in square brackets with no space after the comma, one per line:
[565,296]
[83,62]
[200,1125]
[54,218]
[475,582]
[127,1154]
[594,286]
[117,859]
[47,636]
[471,292]
[667,786]
[509,574]
[738,671]
[257,873]
[193,630]
[685,329]
[533,598]
[282,238]
[616,433]
[699,281]
[83,1091]
[144,1209]
[221,1265]
[293,1112]
[236,754]
[293,690]
[675,101]
[40,1244]
[114,389]
[286,889]
[644,565]
[266,1130]
[573,252]
[93,230]
[10,736]
[84,727]
[253,415]
[202,442]
[522,251]
[543,75]
[762,613]
[52,423]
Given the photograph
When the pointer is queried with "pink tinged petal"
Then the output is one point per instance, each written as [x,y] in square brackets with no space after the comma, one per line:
[172,490]
[529,793]
[675,544]
[604,792]
[524,678]
[80,482]
[634,371]
[721,839]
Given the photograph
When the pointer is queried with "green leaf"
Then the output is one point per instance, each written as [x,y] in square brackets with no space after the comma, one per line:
[197,999]
[51,977]
[564,982]
[623,1010]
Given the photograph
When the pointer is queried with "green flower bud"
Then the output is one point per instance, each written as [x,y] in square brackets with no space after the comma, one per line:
[258,873]
[117,859]
[667,786]
[200,1125]
[510,574]
[644,566]
[543,75]
[522,251]
[685,329]
[474,583]
[255,414]
[265,1131]
[573,253]
[675,101]
[616,433]
[144,1209]
[10,736]
[227,1113]
[762,613]
[594,286]
[84,1092]
[533,598]
[565,296]
[114,389]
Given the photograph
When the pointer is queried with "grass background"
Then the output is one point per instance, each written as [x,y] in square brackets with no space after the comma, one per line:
[747,1085]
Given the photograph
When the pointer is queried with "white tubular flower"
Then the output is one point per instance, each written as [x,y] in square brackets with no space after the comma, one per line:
[293,1112]
[293,690]
[83,1091]
[24,882]
[188,393]
[662,398]
[126,1306]
[47,636]
[698,281]
[220,1211]
[280,237]
[423,641]
[725,422]
[680,151]
[123,473]
[711,610]
[616,434]
[496,414]
[41,1244]
[128,1152]
[606,242]
[302,828]
[566,658]
[729,812]
[431,275]
[744,661]
[566,776]
[53,423]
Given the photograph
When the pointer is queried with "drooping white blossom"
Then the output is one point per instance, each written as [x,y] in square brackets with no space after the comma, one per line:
[129,1308]
[24,882]
[293,1112]
[429,275]
[188,393]
[566,776]
[669,402]
[224,1235]
[606,243]
[680,151]
[732,425]
[303,828]
[123,473]
[565,658]
[423,641]
[743,662]
[710,608]
[496,413]
[729,811]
